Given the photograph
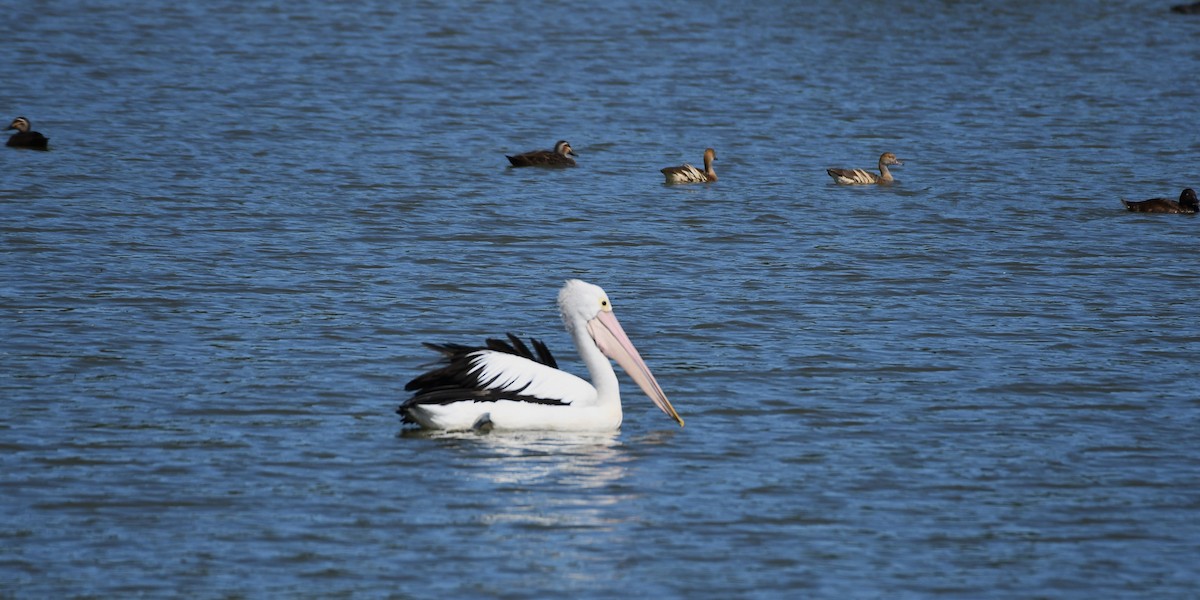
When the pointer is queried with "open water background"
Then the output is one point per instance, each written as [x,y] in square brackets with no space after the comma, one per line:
[979,382]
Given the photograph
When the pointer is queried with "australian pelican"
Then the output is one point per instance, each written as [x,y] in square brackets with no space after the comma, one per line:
[504,385]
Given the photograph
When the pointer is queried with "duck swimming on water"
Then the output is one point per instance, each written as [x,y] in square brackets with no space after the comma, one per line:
[686,173]
[560,156]
[859,176]
[1187,204]
[24,138]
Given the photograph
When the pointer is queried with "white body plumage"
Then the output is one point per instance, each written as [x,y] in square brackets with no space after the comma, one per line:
[507,387]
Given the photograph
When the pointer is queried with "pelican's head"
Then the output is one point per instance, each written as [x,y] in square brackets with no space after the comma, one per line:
[585,305]
[20,124]
[887,158]
[564,148]
[580,302]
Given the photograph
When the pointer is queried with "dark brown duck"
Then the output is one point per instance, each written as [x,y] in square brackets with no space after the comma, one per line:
[560,156]
[1186,205]
[24,138]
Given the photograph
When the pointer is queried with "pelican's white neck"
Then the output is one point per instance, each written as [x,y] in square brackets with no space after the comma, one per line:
[604,378]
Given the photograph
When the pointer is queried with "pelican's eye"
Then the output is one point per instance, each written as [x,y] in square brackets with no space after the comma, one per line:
[604,304]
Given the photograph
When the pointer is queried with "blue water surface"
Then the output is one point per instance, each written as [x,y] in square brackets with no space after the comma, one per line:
[975,383]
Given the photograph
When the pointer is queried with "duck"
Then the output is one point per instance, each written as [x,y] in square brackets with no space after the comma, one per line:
[560,156]
[1187,204]
[24,138]
[686,173]
[1187,9]
[859,176]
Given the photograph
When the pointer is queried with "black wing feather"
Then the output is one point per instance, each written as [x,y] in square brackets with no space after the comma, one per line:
[543,353]
[453,380]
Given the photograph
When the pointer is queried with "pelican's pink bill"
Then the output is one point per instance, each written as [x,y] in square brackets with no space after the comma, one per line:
[612,341]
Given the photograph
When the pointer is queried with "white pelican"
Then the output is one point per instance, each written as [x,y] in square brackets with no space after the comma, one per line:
[859,176]
[504,386]
[686,173]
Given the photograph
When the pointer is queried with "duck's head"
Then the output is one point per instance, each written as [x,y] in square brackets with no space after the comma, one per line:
[20,124]
[1188,198]
[564,148]
[887,158]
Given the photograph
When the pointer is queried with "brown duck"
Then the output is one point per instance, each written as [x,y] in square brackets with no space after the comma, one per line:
[688,174]
[1187,204]
[24,138]
[560,156]
[861,176]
